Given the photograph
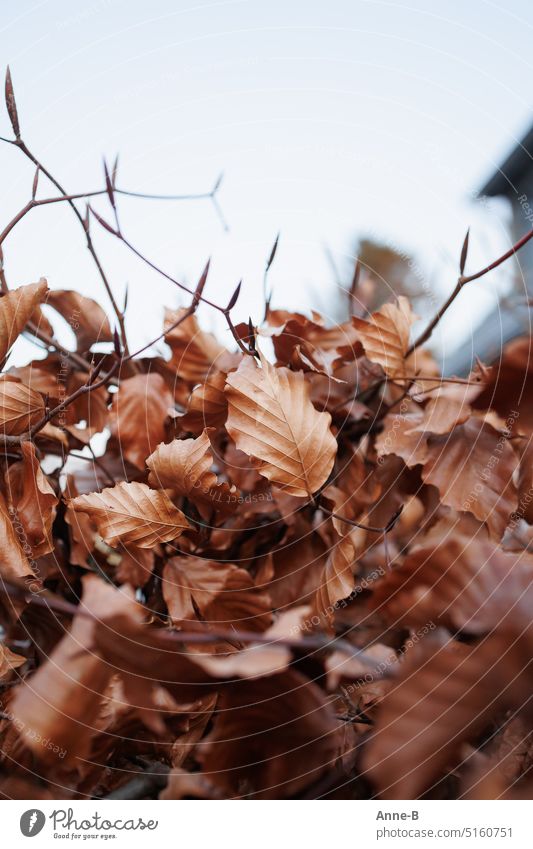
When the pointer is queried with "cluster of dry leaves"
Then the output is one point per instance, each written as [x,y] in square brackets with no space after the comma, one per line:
[294,569]
[284,577]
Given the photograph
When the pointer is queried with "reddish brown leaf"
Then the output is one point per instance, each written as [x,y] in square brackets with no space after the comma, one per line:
[132,513]
[16,308]
[272,420]
[138,415]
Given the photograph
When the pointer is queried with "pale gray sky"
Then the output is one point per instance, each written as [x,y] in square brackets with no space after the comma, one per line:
[329,120]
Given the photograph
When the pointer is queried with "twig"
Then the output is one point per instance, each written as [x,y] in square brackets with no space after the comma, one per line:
[462,281]
[90,385]
[388,527]
[33,203]
[183,317]
[225,311]
[120,317]
[96,460]
[175,639]
[267,297]
[51,342]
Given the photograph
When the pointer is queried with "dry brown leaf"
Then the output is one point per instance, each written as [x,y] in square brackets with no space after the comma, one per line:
[16,308]
[33,500]
[135,565]
[385,336]
[442,414]
[446,695]
[272,420]
[9,661]
[184,466]
[20,406]
[85,317]
[132,513]
[90,407]
[207,405]
[60,702]
[337,581]
[138,415]
[456,577]
[298,566]
[272,737]
[194,352]
[310,336]
[222,592]
[473,468]
[14,549]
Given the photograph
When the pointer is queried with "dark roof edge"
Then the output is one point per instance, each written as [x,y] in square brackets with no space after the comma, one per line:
[501,182]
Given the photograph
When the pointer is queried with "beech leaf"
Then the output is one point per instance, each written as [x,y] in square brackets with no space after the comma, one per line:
[132,513]
[272,419]
[16,309]
[385,336]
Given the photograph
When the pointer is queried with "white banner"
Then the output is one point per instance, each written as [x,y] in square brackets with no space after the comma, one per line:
[415,825]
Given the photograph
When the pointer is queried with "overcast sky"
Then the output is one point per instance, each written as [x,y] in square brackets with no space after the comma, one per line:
[330,120]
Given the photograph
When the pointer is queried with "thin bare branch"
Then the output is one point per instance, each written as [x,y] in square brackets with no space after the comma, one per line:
[462,281]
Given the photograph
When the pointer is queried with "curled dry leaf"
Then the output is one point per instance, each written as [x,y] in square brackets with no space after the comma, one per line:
[90,408]
[337,581]
[385,336]
[222,593]
[60,702]
[207,405]
[9,661]
[442,414]
[138,415]
[32,500]
[272,419]
[16,308]
[195,353]
[85,317]
[273,737]
[184,466]
[20,406]
[14,549]
[132,513]
[291,331]
[473,469]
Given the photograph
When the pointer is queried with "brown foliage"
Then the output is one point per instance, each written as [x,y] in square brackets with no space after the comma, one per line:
[282,575]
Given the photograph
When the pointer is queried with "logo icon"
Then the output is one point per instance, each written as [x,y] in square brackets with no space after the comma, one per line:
[32,822]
